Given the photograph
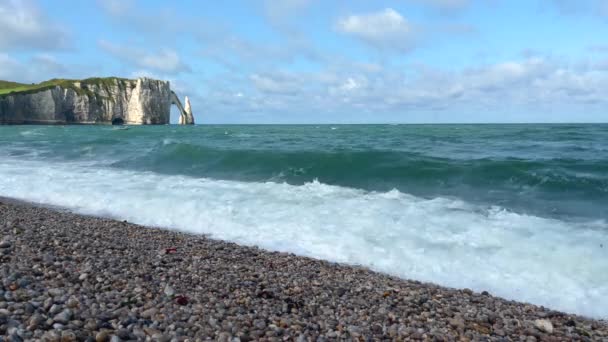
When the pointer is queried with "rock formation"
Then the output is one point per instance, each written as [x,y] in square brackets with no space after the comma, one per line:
[189,118]
[185,116]
[143,101]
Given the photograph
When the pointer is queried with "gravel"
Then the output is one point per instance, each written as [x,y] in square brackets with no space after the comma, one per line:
[68,277]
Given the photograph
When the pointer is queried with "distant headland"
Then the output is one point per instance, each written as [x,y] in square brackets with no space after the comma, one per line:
[109,100]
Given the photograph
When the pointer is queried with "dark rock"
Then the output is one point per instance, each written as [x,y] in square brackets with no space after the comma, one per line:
[5,243]
[63,317]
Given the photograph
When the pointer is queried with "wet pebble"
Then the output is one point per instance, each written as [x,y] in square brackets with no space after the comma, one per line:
[79,278]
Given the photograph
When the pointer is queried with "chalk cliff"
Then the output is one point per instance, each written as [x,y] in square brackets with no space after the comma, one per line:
[143,101]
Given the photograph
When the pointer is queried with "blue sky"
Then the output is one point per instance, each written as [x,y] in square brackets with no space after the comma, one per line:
[313,61]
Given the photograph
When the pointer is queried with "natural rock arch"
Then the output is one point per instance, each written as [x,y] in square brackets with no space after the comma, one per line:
[185,116]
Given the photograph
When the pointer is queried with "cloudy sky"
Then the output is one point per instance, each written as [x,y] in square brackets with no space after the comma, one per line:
[307,61]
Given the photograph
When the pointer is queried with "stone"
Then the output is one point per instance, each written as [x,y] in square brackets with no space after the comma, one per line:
[123,334]
[149,313]
[482,328]
[35,321]
[354,330]
[63,317]
[72,302]
[259,323]
[544,325]
[393,330]
[161,338]
[55,292]
[51,336]
[223,337]
[102,336]
[457,322]
[29,308]
[68,336]
[5,243]
[14,337]
[242,293]
[139,334]
[151,332]
[47,303]
[169,292]
[91,324]
[55,309]
[12,331]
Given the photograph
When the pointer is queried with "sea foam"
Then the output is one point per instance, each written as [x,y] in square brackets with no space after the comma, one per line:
[544,261]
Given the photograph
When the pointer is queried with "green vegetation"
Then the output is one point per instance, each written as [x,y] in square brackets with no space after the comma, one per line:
[12,88]
[7,87]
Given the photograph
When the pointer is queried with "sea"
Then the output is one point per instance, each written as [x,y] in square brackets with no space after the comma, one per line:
[520,211]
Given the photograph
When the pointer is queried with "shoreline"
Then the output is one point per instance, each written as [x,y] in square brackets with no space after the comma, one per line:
[70,275]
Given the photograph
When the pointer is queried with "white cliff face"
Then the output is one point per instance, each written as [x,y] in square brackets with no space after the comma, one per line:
[150,102]
[189,118]
[139,102]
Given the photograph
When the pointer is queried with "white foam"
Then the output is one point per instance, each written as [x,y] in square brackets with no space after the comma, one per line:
[168,141]
[30,132]
[450,242]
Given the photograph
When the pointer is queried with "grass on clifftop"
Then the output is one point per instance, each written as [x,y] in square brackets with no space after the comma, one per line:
[8,88]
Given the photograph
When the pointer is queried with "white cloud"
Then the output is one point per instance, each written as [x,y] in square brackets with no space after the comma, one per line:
[236,53]
[178,85]
[278,11]
[347,86]
[50,64]
[23,26]
[525,84]
[255,79]
[276,84]
[117,7]
[10,68]
[386,29]
[217,41]
[164,60]
[350,84]
[157,24]
[40,67]
[530,89]
[285,16]
[144,73]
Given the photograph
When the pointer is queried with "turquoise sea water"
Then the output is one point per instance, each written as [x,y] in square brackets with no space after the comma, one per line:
[519,210]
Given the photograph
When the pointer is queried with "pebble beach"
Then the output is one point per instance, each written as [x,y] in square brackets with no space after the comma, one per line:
[68,277]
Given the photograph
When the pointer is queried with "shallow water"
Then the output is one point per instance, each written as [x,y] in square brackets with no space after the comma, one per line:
[517,210]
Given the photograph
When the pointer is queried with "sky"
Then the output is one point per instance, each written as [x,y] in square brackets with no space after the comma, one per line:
[329,61]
